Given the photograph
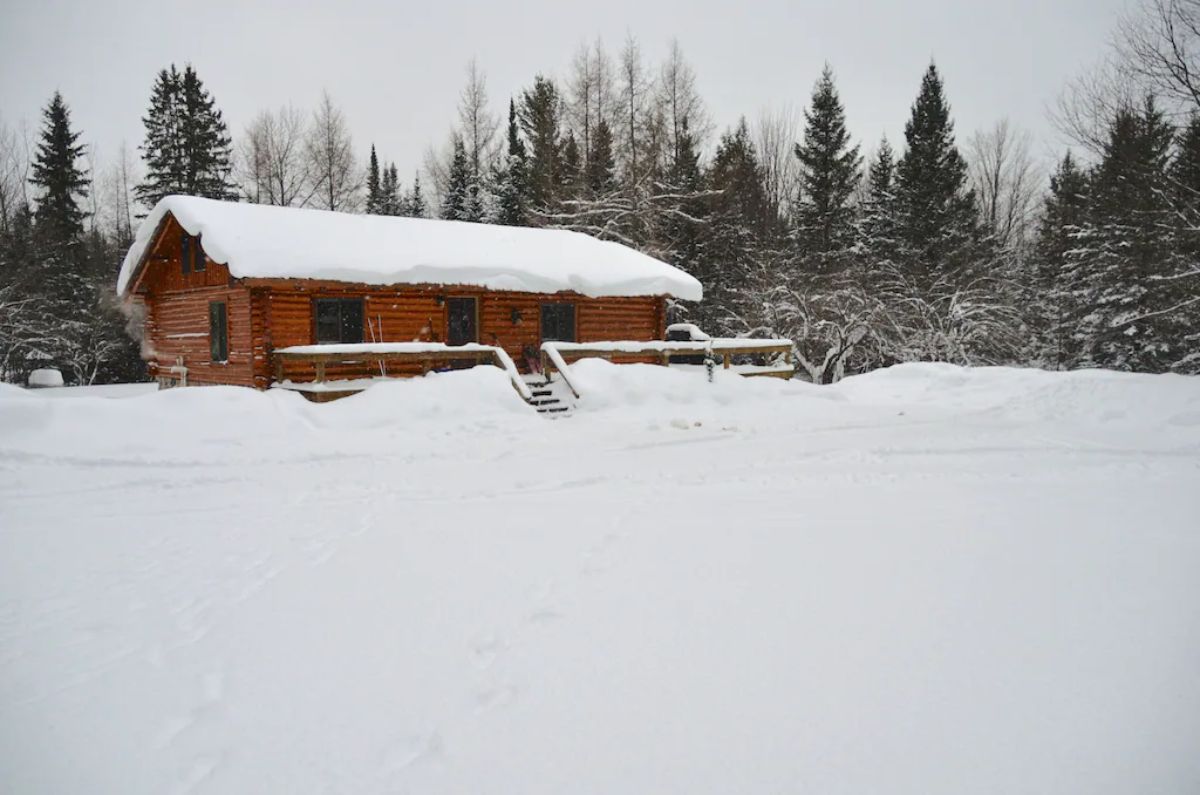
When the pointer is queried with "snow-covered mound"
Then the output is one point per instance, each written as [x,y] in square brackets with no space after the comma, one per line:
[258,241]
[924,580]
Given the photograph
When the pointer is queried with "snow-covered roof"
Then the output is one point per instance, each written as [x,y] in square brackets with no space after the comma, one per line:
[259,241]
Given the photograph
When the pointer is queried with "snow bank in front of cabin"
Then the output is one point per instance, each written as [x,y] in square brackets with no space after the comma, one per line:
[259,241]
[203,419]
[925,580]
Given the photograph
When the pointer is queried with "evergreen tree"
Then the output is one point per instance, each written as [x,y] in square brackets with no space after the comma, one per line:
[879,226]
[600,170]
[388,195]
[458,188]
[374,193]
[187,148]
[63,182]
[683,225]
[1115,274]
[829,173]
[511,198]
[570,169]
[1063,216]
[414,202]
[539,116]
[935,207]
[741,221]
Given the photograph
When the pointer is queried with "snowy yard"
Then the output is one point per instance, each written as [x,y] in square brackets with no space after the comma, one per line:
[923,580]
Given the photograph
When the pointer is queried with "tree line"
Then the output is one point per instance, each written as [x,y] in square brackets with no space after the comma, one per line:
[929,250]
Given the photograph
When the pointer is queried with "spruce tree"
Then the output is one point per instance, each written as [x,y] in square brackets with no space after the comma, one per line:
[414,202]
[62,180]
[187,149]
[458,185]
[1049,300]
[878,226]
[829,173]
[935,207]
[511,198]
[600,169]
[741,222]
[374,194]
[539,116]
[683,224]
[570,168]
[1116,271]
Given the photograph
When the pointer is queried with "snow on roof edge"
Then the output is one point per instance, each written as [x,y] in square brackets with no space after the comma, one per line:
[259,241]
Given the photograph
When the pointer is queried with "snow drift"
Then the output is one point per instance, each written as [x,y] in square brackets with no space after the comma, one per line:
[924,580]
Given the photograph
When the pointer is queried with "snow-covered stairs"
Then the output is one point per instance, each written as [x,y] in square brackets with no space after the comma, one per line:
[551,397]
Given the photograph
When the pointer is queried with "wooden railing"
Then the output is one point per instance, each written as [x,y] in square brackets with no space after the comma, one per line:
[555,355]
[426,355]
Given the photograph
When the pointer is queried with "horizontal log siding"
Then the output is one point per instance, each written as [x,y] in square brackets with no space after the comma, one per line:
[177,326]
[415,314]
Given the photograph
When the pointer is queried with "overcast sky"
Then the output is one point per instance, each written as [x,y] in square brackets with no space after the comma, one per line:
[396,68]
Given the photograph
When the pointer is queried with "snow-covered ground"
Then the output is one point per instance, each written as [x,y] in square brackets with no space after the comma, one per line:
[924,580]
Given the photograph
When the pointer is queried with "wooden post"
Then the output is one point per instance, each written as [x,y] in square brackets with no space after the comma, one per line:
[278,369]
[728,357]
[666,358]
[320,371]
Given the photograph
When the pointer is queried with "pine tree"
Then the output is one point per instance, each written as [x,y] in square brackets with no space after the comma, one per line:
[829,173]
[187,149]
[374,194]
[935,206]
[511,198]
[458,187]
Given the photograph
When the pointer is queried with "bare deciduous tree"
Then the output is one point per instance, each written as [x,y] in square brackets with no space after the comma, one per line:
[334,177]
[1007,183]
[478,125]
[679,100]
[273,165]
[775,136]
[1160,42]
[633,88]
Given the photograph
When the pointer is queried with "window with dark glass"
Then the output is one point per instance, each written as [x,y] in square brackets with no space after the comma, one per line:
[558,322]
[339,320]
[191,254]
[218,331]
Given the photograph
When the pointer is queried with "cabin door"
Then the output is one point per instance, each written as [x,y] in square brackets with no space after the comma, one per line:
[462,321]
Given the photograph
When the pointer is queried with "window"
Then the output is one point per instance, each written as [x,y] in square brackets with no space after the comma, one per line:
[191,254]
[339,320]
[218,332]
[558,322]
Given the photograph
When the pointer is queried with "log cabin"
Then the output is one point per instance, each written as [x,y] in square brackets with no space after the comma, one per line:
[225,284]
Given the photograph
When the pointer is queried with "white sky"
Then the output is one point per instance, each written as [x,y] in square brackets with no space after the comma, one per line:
[396,68]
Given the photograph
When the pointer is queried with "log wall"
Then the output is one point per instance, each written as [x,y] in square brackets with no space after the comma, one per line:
[418,314]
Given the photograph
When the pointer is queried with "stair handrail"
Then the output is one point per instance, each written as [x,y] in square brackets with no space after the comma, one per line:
[550,351]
